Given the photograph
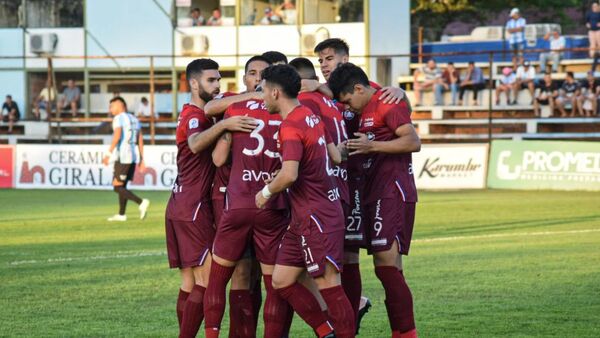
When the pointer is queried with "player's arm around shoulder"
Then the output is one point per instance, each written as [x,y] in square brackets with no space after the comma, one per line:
[202,137]
[217,107]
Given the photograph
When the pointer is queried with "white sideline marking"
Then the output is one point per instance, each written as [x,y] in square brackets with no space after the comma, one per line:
[426,240]
[514,234]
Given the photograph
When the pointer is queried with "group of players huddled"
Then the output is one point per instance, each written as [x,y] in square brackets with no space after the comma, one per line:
[288,180]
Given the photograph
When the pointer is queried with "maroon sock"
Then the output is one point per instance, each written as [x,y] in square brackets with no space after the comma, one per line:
[214,298]
[192,313]
[287,326]
[256,294]
[306,306]
[340,311]
[352,285]
[233,317]
[398,299]
[275,312]
[183,296]
[241,303]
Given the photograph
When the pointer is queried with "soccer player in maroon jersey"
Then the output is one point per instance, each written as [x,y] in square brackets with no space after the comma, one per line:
[254,159]
[386,140]
[315,237]
[188,220]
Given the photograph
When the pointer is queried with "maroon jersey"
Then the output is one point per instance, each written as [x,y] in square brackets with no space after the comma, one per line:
[222,173]
[194,171]
[386,172]
[254,157]
[333,120]
[303,138]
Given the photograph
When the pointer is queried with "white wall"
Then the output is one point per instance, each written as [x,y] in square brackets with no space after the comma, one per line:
[70,43]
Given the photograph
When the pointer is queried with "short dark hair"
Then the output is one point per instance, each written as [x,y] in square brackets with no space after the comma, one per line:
[285,77]
[339,46]
[256,58]
[570,74]
[197,66]
[120,99]
[304,67]
[9,97]
[345,77]
[472,63]
[144,99]
[450,63]
[196,9]
[275,56]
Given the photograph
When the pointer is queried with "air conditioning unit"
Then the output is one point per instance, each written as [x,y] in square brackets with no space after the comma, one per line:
[309,41]
[44,43]
[192,45]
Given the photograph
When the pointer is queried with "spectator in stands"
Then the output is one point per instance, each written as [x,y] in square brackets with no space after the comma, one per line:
[473,81]
[70,98]
[546,94]
[10,113]
[567,95]
[251,18]
[287,12]
[557,43]
[45,100]
[197,18]
[525,80]
[592,22]
[587,101]
[516,29]
[431,77]
[505,84]
[270,18]
[215,19]
[450,81]
[143,109]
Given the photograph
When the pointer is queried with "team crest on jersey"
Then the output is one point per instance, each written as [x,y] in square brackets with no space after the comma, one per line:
[348,115]
[193,123]
[312,120]
[370,136]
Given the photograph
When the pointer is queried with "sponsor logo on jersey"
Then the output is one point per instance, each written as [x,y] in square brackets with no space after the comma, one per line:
[312,120]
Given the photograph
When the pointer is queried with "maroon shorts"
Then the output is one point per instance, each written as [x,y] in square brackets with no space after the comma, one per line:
[304,245]
[389,220]
[218,205]
[189,242]
[354,237]
[241,227]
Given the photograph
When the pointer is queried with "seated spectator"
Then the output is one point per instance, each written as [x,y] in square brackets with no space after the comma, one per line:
[587,101]
[546,94]
[505,85]
[251,18]
[215,19]
[10,113]
[143,109]
[525,80]
[567,95]
[46,101]
[287,12]
[432,77]
[557,43]
[70,98]
[270,18]
[197,18]
[450,81]
[473,81]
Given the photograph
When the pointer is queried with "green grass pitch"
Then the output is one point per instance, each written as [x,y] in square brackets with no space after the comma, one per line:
[482,264]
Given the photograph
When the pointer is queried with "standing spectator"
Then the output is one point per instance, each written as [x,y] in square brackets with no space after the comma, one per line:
[45,100]
[270,18]
[197,18]
[450,81]
[473,81]
[547,93]
[557,43]
[143,109]
[287,12]
[70,98]
[432,76]
[10,113]
[592,22]
[525,79]
[215,19]
[587,101]
[516,27]
[567,95]
[505,85]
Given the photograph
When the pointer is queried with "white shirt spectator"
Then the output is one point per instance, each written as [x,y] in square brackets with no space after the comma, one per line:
[518,36]
[508,80]
[526,74]
[557,44]
[143,110]
[127,150]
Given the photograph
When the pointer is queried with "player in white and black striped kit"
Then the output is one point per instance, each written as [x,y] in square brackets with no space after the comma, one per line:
[127,149]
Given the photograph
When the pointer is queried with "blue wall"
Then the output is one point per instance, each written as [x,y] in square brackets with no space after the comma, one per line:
[131,27]
[12,82]
[11,44]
